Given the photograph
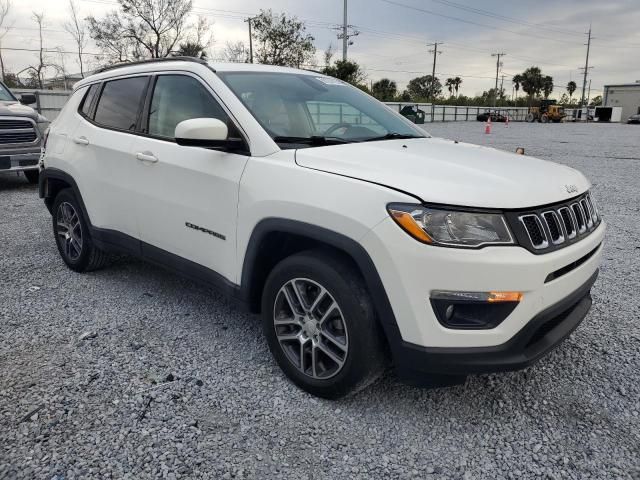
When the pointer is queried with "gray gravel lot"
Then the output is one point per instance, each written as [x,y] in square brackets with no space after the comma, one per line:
[132,372]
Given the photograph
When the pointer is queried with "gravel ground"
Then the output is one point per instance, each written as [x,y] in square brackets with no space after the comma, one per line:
[131,372]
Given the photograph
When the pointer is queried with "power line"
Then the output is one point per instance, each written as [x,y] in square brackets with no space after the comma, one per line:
[497,16]
[470,22]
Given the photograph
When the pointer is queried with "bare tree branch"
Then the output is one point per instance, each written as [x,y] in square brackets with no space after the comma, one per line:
[77,29]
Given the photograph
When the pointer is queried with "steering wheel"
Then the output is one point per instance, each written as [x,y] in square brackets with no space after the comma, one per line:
[335,127]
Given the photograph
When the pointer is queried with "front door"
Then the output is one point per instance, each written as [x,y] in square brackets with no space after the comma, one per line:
[187,197]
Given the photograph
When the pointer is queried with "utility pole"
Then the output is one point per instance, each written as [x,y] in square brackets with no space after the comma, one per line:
[586,68]
[248,20]
[502,83]
[435,52]
[495,91]
[344,34]
[589,92]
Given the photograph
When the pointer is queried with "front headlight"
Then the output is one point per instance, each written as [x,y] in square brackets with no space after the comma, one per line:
[452,228]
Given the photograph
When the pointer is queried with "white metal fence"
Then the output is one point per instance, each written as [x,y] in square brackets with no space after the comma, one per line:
[454,113]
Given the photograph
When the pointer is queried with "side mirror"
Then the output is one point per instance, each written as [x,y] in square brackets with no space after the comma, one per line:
[207,133]
[28,99]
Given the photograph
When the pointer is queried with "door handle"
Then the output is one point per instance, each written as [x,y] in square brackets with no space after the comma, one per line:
[146,157]
[81,140]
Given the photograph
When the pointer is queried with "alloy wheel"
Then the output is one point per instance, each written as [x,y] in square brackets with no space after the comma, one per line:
[310,328]
[69,230]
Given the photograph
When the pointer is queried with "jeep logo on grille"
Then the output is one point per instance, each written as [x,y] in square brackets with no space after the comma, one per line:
[571,188]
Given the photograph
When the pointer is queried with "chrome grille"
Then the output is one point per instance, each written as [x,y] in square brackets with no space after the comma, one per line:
[556,226]
[16,131]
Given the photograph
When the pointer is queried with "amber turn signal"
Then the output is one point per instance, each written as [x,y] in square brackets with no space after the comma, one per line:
[409,225]
[496,297]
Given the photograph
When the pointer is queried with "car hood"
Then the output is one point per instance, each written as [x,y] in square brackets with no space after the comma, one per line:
[442,171]
[16,109]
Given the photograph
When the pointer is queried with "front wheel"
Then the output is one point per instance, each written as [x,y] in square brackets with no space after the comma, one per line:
[321,326]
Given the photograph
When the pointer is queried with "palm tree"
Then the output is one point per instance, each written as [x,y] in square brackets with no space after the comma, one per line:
[456,84]
[450,84]
[517,81]
[571,87]
[547,86]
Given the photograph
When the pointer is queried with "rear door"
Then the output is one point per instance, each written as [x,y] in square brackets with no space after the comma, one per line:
[103,143]
[186,197]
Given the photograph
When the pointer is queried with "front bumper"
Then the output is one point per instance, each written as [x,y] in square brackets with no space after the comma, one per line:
[18,162]
[555,290]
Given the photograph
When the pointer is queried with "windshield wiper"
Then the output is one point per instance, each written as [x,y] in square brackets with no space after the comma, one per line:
[313,140]
[391,136]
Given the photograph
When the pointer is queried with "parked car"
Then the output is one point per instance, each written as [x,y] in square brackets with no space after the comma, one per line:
[495,115]
[21,132]
[413,113]
[361,240]
[634,118]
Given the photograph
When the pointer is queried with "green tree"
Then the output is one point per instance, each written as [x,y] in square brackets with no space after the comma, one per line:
[191,49]
[282,40]
[571,87]
[532,80]
[385,90]
[424,88]
[596,101]
[347,71]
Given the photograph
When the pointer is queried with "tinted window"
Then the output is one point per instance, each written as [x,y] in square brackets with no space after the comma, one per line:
[177,98]
[88,98]
[119,103]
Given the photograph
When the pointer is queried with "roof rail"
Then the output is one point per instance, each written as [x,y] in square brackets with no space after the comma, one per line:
[152,60]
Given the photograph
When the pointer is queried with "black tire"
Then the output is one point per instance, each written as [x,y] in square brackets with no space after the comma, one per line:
[32,176]
[88,257]
[366,357]
[544,119]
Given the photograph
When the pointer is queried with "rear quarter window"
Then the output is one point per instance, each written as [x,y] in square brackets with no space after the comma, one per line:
[85,106]
[120,103]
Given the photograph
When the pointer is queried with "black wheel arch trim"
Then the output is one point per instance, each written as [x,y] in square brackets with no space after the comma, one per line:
[341,242]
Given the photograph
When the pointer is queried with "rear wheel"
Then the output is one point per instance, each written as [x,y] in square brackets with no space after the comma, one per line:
[72,235]
[544,119]
[320,325]
[530,117]
[32,176]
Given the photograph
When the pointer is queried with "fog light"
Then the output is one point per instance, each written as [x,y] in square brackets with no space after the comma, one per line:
[473,310]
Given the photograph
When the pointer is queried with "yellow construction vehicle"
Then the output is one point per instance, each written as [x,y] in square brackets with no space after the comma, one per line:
[548,111]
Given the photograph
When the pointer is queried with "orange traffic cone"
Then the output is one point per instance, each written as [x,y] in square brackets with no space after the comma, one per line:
[487,128]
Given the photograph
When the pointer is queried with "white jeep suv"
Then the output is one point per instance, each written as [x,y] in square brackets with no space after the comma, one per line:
[361,240]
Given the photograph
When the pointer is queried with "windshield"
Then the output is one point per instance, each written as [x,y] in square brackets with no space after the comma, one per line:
[317,110]
[5,94]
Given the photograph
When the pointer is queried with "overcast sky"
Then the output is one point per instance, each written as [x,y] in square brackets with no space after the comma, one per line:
[393,37]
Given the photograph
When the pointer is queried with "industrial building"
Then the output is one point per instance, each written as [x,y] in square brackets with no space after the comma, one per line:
[626,95]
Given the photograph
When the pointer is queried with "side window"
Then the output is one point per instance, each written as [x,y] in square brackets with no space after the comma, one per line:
[88,99]
[180,97]
[119,103]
